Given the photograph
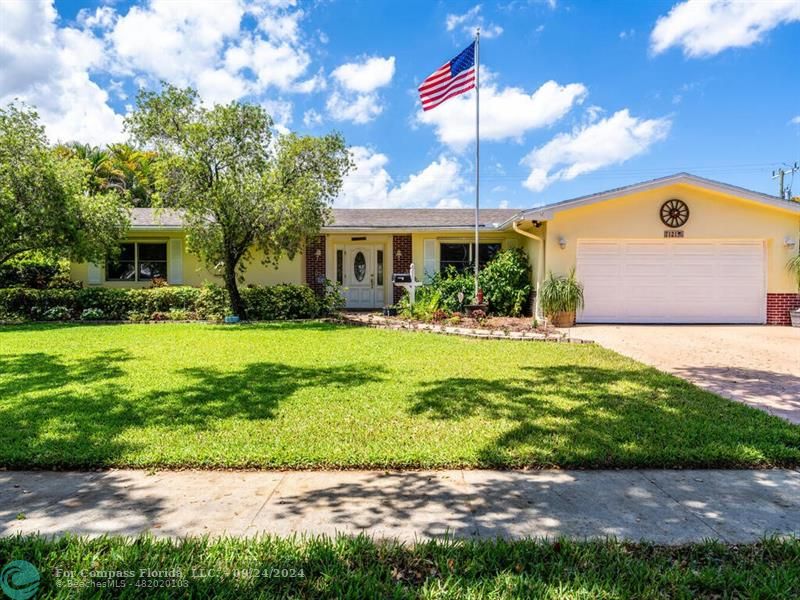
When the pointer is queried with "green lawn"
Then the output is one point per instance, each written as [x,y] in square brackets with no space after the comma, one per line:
[317,394]
[358,567]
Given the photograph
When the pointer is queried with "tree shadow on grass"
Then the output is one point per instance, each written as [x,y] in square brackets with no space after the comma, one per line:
[85,414]
[587,416]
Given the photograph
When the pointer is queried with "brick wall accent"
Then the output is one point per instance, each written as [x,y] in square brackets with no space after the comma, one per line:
[315,265]
[401,243]
[778,307]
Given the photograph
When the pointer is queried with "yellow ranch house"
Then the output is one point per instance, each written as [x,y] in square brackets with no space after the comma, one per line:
[679,249]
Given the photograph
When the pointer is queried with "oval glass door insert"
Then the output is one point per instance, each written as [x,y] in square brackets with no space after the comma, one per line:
[360,266]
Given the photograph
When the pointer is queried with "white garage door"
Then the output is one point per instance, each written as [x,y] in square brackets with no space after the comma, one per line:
[672,281]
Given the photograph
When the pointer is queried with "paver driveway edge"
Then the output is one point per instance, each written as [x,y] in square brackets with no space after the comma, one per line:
[755,364]
[662,506]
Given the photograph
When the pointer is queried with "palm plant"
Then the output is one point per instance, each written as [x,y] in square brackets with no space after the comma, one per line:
[102,173]
[561,297]
[794,267]
[136,172]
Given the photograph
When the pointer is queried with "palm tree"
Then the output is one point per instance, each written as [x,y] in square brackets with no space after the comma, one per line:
[102,172]
[135,169]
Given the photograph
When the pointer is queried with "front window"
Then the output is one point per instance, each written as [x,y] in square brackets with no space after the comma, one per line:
[138,261]
[379,273]
[461,256]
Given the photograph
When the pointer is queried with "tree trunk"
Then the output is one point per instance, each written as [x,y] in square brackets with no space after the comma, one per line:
[237,306]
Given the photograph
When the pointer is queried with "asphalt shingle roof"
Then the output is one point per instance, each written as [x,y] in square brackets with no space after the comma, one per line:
[393,218]
[151,217]
[355,218]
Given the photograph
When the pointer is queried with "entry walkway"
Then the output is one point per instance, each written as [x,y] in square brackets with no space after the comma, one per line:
[661,506]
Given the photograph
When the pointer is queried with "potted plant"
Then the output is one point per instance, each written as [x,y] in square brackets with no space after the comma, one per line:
[561,298]
[794,267]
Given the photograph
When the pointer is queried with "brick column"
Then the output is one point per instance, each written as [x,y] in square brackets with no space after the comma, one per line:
[778,307]
[402,263]
[315,264]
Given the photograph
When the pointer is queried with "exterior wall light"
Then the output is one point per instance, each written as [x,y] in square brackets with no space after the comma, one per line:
[399,254]
[789,242]
[562,241]
[318,253]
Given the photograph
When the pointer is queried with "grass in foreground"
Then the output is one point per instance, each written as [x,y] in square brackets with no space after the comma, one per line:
[359,567]
[322,395]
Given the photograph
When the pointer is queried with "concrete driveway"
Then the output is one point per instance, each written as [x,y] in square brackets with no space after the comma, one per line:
[757,365]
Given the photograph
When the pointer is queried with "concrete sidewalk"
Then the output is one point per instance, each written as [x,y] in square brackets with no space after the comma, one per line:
[659,505]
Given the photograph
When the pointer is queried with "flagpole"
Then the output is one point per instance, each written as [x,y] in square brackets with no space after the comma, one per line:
[476,257]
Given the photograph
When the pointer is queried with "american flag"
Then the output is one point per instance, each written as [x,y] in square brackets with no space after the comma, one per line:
[451,79]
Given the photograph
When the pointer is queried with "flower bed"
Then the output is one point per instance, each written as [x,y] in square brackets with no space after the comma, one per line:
[513,328]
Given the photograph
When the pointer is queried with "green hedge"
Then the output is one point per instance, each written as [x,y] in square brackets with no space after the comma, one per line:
[35,272]
[277,302]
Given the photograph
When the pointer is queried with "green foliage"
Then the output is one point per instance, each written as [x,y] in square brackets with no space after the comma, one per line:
[794,267]
[57,313]
[43,206]
[269,303]
[92,314]
[34,270]
[561,294]
[505,282]
[119,167]
[241,190]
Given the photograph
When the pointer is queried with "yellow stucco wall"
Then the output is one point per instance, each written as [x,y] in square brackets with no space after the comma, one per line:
[195,273]
[712,216]
[293,271]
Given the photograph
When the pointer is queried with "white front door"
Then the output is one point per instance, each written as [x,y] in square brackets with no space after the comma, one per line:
[672,281]
[360,286]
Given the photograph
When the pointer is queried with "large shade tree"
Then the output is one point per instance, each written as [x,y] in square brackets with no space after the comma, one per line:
[244,192]
[46,204]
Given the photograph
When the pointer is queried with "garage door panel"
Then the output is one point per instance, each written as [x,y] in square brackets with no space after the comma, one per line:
[672,281]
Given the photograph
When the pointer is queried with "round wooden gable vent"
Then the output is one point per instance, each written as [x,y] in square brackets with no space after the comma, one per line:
[674,213]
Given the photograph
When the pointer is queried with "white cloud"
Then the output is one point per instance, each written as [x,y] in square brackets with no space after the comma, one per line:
[366,76]
[796,120]
[281,113]
[206,45]
[48,67]
[506,113]
[311,118]
[440,184]
[360,109]
[707,27]
[593,146]
[627,33]
[356,98]
[470,21]
[103,17]
[203,44]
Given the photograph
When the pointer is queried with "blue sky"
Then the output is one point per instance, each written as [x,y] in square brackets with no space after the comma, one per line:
[577,96]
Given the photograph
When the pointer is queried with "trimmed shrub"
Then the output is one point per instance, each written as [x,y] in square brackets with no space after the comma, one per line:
[92,314]
[57,313]
[505,282]
[263,303]
[33,271]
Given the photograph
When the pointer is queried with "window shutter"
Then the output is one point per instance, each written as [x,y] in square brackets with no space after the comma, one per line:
[175,261]
[95,276]
[430,264]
